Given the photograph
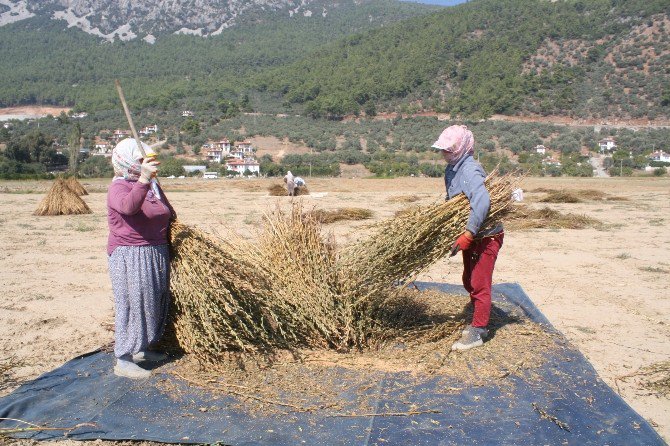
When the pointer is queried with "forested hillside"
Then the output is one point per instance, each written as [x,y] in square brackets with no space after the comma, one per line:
[43,62]
[596,58]
[586,58]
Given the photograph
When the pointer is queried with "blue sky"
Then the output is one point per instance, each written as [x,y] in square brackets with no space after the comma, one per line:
[439,2]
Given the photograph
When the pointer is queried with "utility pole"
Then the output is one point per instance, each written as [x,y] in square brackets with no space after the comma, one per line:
[620,168]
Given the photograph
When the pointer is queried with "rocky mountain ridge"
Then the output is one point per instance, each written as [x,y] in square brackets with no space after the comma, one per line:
[146,19]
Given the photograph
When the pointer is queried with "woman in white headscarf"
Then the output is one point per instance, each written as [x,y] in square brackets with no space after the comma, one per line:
[138,214]
[289,179]
[465,175]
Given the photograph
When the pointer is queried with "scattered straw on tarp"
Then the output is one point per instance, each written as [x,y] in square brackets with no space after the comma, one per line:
[61,200]
[524,218]
[422,327]
[331,216]
[277,190]
[293,288]
[76,186]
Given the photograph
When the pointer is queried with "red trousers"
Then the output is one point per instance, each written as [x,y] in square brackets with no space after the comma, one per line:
[478,263]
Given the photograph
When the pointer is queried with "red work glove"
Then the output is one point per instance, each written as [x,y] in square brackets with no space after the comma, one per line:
[463,242]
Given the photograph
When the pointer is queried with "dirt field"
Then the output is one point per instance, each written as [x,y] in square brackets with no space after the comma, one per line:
[606,289]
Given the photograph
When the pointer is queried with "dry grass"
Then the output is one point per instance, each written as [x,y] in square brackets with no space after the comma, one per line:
[404,199]
[76,186]
[8,366]
[524,217]
[575,196]
[61,200]
[561,196]
[657,377]
[277,190]
[331,216]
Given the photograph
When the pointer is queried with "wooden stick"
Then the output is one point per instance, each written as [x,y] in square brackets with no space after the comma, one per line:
[128,117]
[35,427]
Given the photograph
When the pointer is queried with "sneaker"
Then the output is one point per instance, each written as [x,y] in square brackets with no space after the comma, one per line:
[471,337]
[129,369]
[149,356]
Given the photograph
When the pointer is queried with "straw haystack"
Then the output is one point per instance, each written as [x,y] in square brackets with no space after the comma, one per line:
[331,216]
[61,200]
[76,186]
[277,190]
[292,287]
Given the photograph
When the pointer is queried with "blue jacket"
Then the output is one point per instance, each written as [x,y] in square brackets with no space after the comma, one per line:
[467,177]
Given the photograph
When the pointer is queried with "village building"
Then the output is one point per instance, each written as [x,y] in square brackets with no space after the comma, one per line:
[149,130]
[102,148]
[242,150]
[187,114]
[551,162]
[661,156]
[119,134]
[607,144]
[540,149]
[242,165]
[218,151]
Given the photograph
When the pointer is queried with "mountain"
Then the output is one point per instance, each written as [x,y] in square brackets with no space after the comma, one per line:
[128,20]
[587,59]
[42,60]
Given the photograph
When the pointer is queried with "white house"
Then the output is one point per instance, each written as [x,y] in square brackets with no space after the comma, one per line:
[120,134]
[214,155]
[661,156]
[607,144]
[210,175]
[217,151]
[187,114]
[79,115]
[242,165]
[242,150]
[549,161]
[540,149]
[102,148]
[148,130]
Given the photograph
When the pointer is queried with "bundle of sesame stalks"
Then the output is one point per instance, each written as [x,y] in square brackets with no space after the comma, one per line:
[76,186]
[217,301]
[61,200]
[291,288]
[400,248]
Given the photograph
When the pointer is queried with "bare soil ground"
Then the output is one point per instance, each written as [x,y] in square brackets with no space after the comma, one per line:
[606,289]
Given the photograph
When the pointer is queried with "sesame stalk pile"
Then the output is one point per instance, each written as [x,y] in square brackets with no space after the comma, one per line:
[292,287]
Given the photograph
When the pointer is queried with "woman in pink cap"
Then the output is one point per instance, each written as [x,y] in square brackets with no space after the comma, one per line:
[480,247]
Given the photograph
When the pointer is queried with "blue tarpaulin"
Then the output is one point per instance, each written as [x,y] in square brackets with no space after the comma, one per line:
[568,405]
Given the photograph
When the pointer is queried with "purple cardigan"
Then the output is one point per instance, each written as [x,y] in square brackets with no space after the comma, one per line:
[135,216]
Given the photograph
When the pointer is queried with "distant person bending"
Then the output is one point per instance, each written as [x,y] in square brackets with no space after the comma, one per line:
[290,183]
[299,182]
[480,247]
[138,214]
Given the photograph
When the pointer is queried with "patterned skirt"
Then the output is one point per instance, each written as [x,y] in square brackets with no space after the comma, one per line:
[141,285]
